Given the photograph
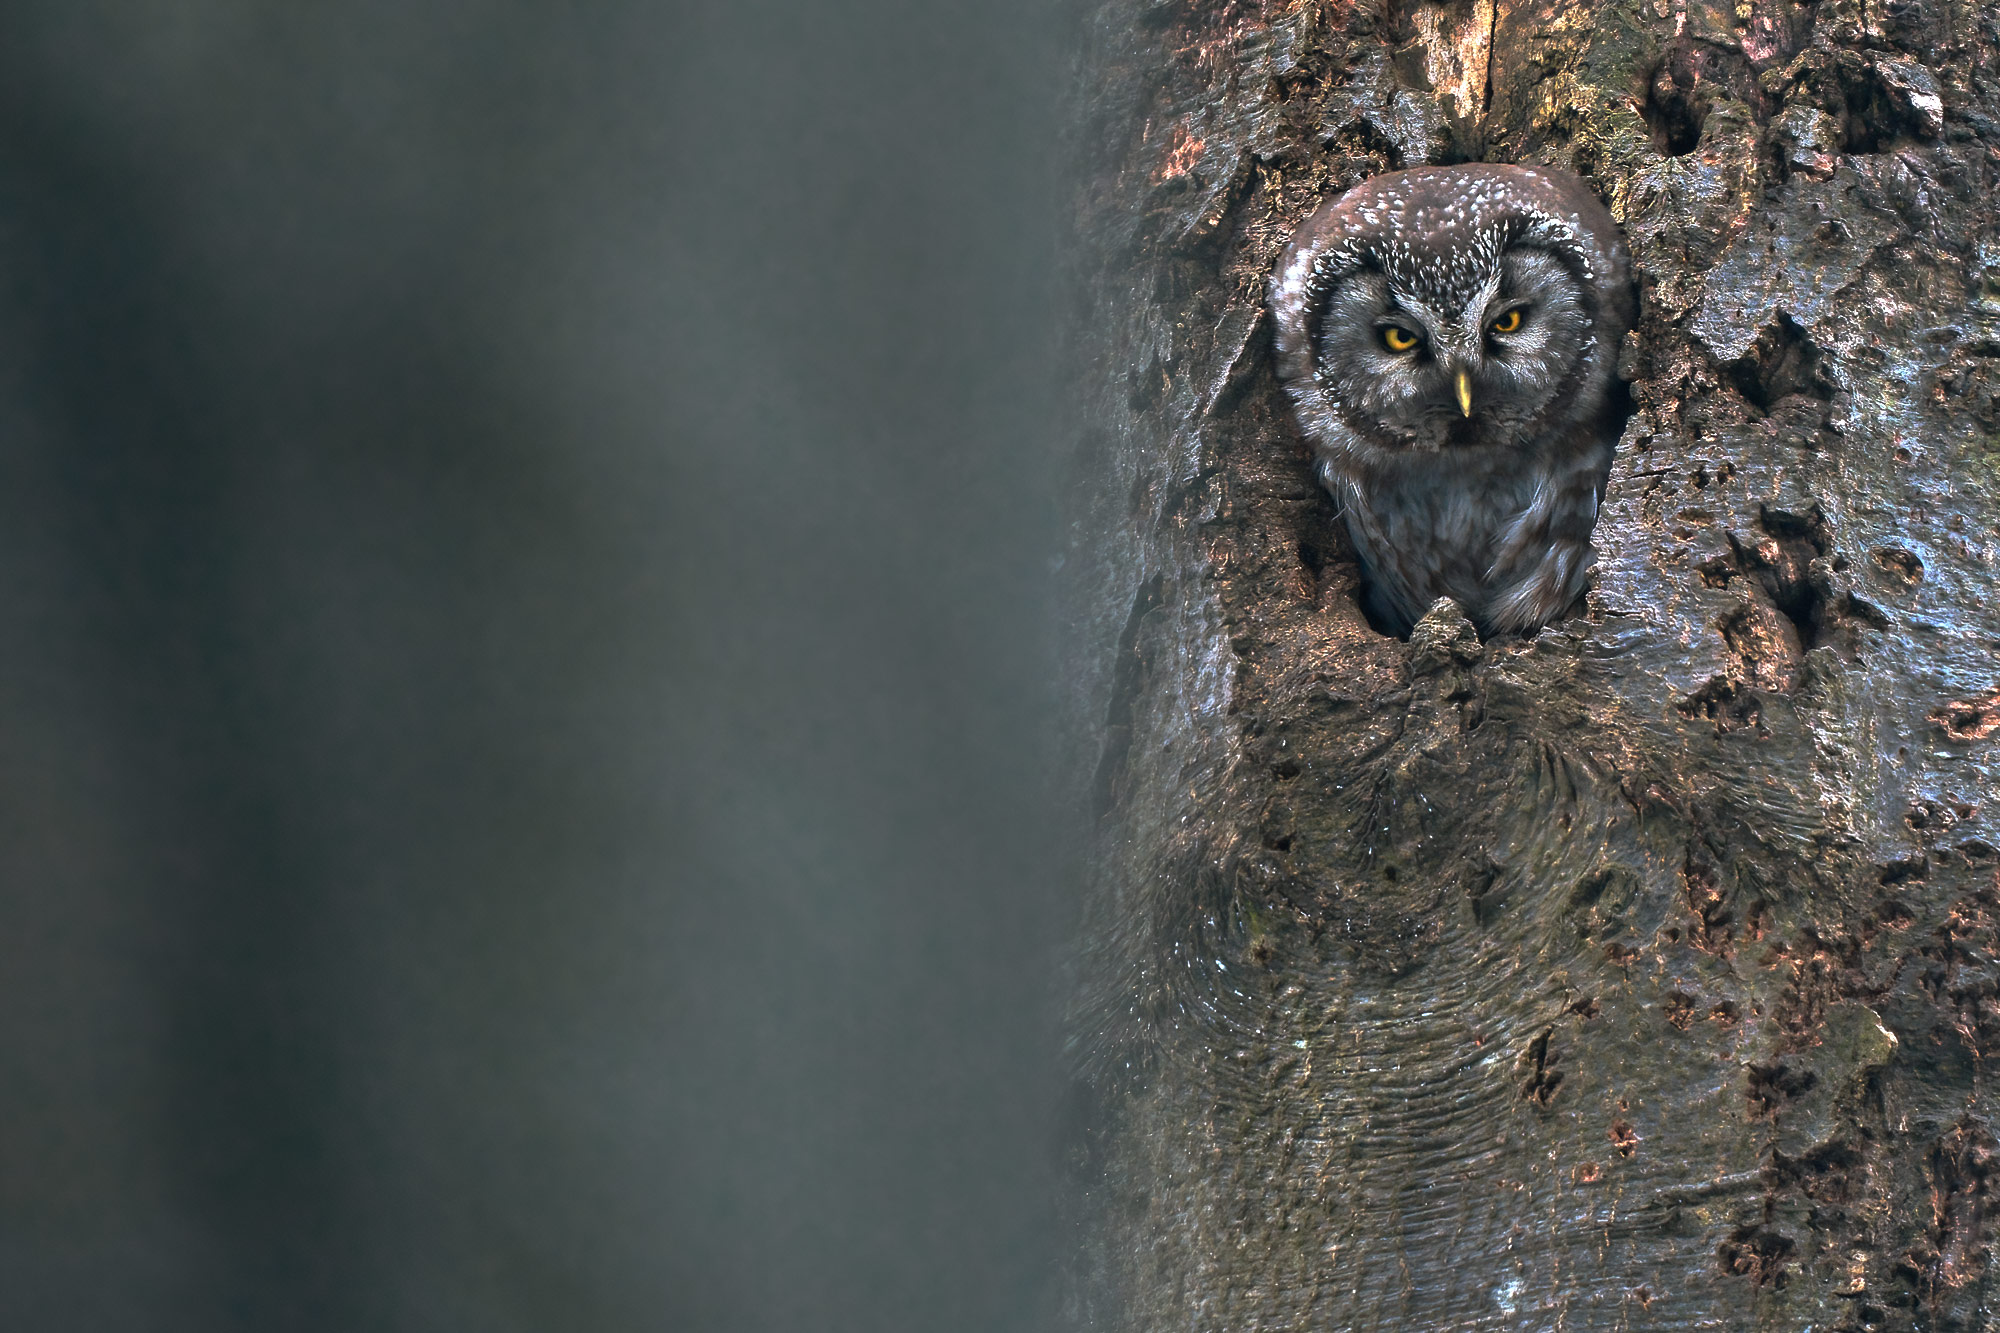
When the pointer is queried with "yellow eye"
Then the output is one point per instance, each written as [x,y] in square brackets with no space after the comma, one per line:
[1507,323]
[1398,339]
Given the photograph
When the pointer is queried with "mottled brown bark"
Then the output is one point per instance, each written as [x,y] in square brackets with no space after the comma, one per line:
[1639,975]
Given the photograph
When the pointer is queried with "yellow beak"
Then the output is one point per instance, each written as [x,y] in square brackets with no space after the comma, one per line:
[1465,392]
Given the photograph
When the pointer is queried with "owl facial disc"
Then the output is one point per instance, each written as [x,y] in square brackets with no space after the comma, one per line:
[1448,339]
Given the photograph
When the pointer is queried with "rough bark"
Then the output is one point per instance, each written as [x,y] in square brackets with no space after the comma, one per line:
[1638,975]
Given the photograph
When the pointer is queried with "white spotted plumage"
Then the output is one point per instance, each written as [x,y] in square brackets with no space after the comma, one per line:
[1490,503]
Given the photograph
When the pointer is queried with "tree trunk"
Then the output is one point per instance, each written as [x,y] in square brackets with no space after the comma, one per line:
[1640,974]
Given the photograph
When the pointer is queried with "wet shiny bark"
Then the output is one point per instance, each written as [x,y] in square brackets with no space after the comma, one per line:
[1639,975]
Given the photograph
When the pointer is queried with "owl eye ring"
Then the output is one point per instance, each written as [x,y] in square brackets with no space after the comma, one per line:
[1397,338]
[1508,322]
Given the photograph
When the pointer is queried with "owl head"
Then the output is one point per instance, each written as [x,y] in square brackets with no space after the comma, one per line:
[1450,307]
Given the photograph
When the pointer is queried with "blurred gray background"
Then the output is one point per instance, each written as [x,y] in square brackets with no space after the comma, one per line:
[524,544]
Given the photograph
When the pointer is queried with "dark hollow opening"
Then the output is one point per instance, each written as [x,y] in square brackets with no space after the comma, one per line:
[1683,86]
[1876,120]
[1783,567]
[1674,109]
[1781,362]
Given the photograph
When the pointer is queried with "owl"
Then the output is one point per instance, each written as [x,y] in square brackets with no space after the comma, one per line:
[1449,337]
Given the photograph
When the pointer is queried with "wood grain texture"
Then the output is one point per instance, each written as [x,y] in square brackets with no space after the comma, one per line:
[1640,975]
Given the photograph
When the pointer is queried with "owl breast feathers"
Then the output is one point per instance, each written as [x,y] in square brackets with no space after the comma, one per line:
[1449,337]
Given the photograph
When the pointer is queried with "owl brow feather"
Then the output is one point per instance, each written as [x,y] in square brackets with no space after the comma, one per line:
[1560,238]
[1398,261]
